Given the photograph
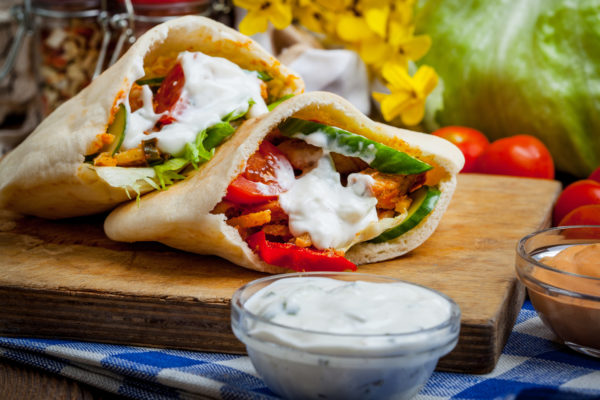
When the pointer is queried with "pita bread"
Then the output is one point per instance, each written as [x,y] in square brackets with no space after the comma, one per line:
[46,175]
[181,216]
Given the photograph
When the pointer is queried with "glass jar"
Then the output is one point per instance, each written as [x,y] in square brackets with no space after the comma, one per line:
[68,39]
[138,16]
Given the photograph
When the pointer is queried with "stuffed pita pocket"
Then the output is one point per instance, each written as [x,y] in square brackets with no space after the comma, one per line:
[313,185]
[159,113]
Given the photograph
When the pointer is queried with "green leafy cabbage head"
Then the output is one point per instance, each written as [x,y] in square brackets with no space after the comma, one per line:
[520,67]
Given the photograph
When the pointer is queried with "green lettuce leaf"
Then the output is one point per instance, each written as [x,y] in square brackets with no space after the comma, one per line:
[263,76]
[168,172]
[198,152]
[520,67]
[279,101]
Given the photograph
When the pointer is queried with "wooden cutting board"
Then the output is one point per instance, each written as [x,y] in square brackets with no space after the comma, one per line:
[66,279]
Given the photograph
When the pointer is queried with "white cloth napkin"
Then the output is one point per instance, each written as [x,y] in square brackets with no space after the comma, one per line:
[339,71]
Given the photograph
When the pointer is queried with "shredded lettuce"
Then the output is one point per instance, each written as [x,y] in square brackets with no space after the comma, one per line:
[138,180]
[198,152]
[168,172]
[263,76]
[279,101]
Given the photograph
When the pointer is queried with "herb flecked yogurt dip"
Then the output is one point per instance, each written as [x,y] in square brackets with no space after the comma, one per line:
[347,335]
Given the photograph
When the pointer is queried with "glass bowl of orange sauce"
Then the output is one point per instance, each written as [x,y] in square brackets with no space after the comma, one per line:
[561,269]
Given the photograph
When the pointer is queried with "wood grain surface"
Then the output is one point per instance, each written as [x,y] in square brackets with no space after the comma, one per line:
[65,279]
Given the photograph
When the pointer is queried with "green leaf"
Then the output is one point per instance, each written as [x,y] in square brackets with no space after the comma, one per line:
[168,172]
[279,101]
[197,152]
[216,134]
[263,76]
[379,156]
[232,117]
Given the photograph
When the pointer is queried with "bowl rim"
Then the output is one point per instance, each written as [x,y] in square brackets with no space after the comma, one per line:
[522,253]
[454,316]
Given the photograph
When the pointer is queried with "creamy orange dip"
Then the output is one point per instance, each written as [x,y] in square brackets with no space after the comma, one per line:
[581,259]
[575,320]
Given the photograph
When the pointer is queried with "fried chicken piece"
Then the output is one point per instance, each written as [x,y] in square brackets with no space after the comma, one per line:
[391,189]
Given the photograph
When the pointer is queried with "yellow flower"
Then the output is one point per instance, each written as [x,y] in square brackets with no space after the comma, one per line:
[313,17]
[334,6]
[397,49]
[260,12]
[353,28]
[408,94]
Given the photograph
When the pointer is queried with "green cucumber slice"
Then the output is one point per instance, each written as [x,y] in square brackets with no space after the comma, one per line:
[379,156]
[424,200]
[117,128]
[150,81]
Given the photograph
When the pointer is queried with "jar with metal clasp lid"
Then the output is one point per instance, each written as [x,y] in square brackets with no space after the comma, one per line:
[75,40]
[68,46]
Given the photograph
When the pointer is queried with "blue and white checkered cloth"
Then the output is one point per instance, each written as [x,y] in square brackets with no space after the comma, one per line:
[532,366]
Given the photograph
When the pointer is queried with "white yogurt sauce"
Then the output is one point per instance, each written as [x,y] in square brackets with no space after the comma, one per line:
[318,204]
[353,308]
[214,87]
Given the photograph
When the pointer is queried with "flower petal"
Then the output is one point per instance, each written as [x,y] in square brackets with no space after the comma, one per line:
[254,22]
[416,47]
[413,113]
[377,20]
[280,14]
[352,28]
[394,105]
[248,4]
[374,50]
[397,76]
[425,80]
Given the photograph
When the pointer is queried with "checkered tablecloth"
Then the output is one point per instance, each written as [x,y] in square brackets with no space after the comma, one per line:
[532,366]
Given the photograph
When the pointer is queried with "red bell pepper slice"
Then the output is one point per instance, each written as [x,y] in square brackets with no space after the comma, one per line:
[267,174]
[168,97]
[297,258]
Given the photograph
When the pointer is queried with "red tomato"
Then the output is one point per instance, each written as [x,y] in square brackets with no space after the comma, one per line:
[471,143]
[520,155]
[575,195]
[168,96]
[268,173]
[595,176]
[584,215]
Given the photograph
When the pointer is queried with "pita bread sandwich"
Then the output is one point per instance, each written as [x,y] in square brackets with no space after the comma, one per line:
[312,185]
[160,112]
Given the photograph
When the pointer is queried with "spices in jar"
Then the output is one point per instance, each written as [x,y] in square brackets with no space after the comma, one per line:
[68,42]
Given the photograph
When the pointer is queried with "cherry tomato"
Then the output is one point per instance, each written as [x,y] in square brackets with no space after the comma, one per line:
[583,215]
[575,195]
[595,176]
[268,173]
[520,155]
[168,97]
[470,142]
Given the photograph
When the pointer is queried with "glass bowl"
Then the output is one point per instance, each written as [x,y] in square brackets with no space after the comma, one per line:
[567,302]
[299,363]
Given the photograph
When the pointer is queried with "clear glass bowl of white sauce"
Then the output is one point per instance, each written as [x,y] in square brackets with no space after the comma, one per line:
[346,335]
